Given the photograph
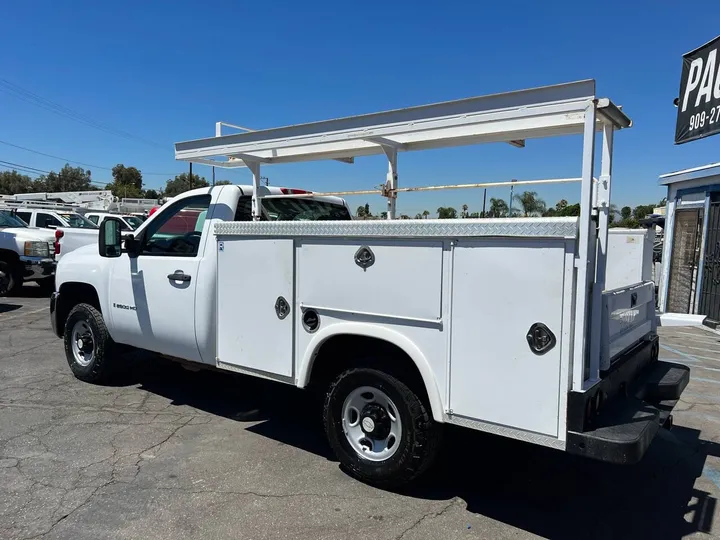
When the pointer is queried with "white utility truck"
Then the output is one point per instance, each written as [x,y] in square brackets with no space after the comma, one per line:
[498,325]
[25,255]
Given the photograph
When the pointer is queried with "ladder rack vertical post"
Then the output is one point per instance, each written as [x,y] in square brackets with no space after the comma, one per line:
[254,167]
[584,367]
[391,183]
[603,210]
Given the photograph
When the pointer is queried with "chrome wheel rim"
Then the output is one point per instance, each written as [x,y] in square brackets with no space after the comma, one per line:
[371,423]
[83,343]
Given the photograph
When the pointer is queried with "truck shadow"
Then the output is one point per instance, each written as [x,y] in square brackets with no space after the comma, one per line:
[545,492]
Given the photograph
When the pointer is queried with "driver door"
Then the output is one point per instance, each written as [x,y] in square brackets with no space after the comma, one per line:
[152,296]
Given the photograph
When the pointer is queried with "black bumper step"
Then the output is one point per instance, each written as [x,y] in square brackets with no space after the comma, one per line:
[638,408]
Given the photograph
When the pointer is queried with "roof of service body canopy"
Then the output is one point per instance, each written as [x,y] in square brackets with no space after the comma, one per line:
[508,117]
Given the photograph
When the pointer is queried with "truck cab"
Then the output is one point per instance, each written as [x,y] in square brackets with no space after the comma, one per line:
[168,265]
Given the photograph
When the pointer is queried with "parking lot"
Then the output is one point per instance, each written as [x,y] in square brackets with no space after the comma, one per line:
[169,453]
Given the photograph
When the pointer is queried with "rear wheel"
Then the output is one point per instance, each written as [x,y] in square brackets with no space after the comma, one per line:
[379,428]
[88,347]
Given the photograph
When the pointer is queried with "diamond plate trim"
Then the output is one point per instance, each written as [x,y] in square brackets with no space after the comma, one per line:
[512,227]
[526,436]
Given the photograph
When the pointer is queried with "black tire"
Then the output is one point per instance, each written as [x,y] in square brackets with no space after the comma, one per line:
[420,438]
[101,367]
[11,277]
[47,285]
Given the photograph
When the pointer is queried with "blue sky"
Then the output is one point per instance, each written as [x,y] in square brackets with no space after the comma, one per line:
[166,71]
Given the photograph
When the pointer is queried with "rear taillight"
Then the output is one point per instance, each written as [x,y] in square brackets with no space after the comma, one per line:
[58,235]
[287,191]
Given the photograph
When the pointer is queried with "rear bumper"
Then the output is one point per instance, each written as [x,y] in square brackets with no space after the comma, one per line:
[617,419]
[35,268]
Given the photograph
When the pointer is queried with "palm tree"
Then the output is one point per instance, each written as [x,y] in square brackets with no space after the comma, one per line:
[532,205]
[425,214]
[464,210]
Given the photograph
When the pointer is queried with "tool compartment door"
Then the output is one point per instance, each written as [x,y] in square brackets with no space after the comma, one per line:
[255,282]
[501,288]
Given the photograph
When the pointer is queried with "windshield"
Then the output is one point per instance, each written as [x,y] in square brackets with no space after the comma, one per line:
[8,220]
[134,221]
[293,210]
[77,221]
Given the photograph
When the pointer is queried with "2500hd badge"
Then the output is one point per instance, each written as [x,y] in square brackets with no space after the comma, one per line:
[124,306]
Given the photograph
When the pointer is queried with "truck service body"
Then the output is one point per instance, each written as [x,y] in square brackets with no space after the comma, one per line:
[501,325]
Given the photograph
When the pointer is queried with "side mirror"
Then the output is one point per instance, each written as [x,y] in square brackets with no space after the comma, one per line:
[109,238]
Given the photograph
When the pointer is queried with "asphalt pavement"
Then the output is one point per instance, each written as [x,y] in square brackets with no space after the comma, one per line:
[167,453]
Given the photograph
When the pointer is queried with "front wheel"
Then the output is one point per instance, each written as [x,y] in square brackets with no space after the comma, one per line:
[11,277]
[380,430]
[88,346]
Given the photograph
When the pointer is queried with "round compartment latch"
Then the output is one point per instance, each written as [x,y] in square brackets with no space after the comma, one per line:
[540,339]
[311,320]
[282,308]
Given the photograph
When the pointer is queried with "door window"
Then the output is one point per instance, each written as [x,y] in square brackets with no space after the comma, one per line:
[94,219]
[46,220]
[177,230]
[25,216]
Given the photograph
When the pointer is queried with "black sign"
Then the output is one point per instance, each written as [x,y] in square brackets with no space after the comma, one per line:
[699,100]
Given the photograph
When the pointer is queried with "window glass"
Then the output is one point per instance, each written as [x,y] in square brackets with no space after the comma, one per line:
[94,219]
[134,221]
[293,209]
[46,220]
[77,221]
[25,216]
[177,230]
[8,220]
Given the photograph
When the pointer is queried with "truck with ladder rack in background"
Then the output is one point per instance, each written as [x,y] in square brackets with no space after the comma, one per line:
[501,325]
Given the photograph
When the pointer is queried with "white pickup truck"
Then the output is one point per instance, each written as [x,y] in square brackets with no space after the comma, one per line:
[25,255]
[498,325]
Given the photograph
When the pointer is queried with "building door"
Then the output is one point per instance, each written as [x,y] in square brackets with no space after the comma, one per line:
[684,260]
[710,283]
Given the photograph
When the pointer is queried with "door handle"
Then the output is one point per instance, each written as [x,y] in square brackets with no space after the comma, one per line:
[179,275]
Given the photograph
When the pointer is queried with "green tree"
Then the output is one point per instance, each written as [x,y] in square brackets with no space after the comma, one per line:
[425,214]
[151,194]
[625,212]
[498,208]
[383,215]
[532,205]
[12,182]
[464,211]
[181,184]
[447,212]
[223,183]
[67,179]
[418,216]
[360,212]
[127,175]
[368,213]
[642,210]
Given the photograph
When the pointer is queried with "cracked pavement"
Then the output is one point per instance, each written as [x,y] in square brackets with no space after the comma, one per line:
[169,453]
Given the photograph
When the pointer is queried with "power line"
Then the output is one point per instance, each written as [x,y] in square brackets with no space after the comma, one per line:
[77,162]
[56,108]
[9,165]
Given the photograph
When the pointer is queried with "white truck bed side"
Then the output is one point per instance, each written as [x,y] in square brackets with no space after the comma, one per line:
[458,296]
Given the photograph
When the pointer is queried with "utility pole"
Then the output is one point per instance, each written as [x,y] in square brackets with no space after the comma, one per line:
[511,198]
[484,200]
[191,176]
